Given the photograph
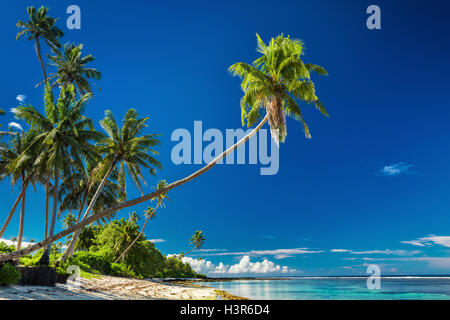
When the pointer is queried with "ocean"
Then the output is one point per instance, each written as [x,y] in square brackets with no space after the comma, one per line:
[339,288]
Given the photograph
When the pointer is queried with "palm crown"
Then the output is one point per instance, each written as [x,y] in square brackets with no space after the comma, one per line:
[275,81]
[40,26]
[71,68]
[127,147]
[197,239]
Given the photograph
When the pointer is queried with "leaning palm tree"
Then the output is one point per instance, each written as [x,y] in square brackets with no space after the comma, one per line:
[197,240]
[274,82]
[71,68]
[40,26]
[276,78]
[65,139]
[150,214]
[122,147]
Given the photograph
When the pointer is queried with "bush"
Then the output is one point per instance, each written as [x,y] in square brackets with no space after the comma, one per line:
[121,270]
[9,275]
[4,248]
[91,260]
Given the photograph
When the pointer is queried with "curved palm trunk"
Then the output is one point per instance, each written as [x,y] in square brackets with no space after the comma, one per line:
[22,222]
[38,52]
[69,251]
[11,213]
[47,198]
[134,241]
[45,259]
[129,203]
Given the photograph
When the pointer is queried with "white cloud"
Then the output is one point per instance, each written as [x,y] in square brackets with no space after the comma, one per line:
[244,266]
[416,243]
[277,253]
[397,169]
[433,262]
[15,125]
[429,241]
[9,242]
[157,240]
[396,252]
[211,250]
[389,252]
[21,98]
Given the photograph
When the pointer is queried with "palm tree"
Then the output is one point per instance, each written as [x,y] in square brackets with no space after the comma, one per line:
[40,26]
[127,229]
[2,112]
[65,139]
[125,146]
[69,221]
[291,82]
[71,68]
[274,82]
[198,240]
[10,154]
[150,213]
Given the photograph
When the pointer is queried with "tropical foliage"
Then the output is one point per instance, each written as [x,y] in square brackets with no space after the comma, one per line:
[85,171]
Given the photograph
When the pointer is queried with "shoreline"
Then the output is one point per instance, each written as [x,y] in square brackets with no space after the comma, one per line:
[110,288]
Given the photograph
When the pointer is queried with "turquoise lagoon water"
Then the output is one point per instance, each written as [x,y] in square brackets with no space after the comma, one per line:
[338,288]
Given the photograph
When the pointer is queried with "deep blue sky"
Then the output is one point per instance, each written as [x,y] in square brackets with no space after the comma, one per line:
[387,95]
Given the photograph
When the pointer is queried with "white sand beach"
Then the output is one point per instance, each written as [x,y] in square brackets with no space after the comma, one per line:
[108,288]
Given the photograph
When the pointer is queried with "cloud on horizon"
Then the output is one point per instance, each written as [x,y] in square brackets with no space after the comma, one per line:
[429,241]
[243,267]
[276,253]
[396,252]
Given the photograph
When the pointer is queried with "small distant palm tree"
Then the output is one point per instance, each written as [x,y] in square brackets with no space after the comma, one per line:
[14,239]
[40,26]
[197,240]
[71,68]
[69,221]
[126,231]
[2,112]
[150,213]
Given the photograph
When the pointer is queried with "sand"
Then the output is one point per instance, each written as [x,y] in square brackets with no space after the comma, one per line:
[108,288]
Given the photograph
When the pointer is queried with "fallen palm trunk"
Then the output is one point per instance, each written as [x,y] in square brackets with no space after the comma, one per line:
[126,204]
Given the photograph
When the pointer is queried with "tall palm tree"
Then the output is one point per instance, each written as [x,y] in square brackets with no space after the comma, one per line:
[274,82]
[66,136]
[291,77]
[40,26]
[18,170]
[71,68]
[150,213]
[123,147]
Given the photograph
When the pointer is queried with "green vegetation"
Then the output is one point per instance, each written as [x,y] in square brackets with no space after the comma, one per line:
[8,274]
[98,247]
[85,171]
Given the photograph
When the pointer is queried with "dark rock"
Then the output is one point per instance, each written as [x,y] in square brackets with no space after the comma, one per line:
[37,276]
[62,278]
